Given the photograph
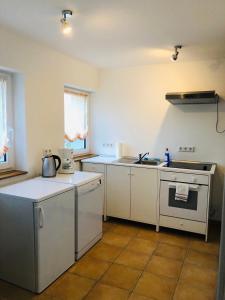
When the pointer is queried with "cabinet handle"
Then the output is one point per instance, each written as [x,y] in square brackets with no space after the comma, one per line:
[41,217]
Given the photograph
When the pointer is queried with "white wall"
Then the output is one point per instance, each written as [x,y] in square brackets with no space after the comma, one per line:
[130,107]
[39,104]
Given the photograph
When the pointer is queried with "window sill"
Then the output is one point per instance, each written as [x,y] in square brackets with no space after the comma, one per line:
[80,157]
[11,173]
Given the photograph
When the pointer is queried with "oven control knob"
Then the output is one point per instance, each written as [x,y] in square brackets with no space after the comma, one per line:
[194,180]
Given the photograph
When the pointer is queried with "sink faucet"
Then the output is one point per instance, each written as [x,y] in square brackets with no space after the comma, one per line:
[141,156]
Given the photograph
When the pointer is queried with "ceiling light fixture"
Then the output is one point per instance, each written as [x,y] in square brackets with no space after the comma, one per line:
[66,27]
[174,56]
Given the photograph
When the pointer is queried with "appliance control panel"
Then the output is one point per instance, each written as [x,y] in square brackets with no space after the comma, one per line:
[184,177]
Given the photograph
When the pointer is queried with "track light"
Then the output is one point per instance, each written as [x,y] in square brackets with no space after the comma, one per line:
[66,27]
[174,56]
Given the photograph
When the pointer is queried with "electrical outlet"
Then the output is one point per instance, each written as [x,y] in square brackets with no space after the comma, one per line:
[186,149]
[107,145]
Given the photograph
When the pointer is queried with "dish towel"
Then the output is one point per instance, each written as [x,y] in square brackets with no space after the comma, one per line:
[182,191]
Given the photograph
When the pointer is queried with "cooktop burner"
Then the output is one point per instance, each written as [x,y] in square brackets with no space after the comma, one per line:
[189,165]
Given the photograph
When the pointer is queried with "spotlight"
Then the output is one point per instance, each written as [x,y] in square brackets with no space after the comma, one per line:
[174,56]
[66,27]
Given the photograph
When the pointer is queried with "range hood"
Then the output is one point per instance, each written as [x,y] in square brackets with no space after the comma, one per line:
[202,97]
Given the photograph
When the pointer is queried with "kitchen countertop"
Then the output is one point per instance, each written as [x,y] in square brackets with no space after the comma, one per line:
[77,179]
[112,160]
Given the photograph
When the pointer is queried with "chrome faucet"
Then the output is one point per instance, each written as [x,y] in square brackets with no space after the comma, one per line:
[141,156]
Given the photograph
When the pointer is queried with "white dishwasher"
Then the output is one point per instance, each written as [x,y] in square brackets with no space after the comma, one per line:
[88,209]
[89,197]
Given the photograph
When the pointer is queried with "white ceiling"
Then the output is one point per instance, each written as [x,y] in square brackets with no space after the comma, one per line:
[112,33]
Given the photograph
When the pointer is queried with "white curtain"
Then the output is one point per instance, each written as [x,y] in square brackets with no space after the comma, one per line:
[3,118]
[75,116]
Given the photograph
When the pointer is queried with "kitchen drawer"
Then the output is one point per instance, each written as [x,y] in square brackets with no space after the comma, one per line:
[183,224]
[184,177]
[90,167]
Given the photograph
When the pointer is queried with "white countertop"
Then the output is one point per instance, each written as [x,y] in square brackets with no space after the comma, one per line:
[112,160]
[77,179]
[35,190]
[100,159]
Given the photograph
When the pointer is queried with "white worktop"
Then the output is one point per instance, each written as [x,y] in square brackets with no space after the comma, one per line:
[77,179]
[112,160]
[100,159]
[35,190]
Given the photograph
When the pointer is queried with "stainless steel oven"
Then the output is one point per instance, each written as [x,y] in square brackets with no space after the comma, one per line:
[196,206]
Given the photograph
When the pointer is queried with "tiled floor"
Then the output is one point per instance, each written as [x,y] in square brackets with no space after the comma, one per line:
[134,262]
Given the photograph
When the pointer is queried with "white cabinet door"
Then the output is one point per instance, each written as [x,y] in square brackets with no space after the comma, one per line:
[118,191]
[55,237]
[144,193]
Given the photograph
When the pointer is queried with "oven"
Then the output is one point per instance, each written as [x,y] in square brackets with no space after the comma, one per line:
[196,206]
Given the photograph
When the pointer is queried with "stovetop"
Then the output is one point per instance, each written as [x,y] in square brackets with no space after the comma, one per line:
[190,165]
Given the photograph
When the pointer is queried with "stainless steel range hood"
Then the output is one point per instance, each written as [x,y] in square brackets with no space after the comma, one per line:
[202,97]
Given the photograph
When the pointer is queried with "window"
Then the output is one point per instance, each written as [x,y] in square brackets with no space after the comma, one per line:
[76,120]
[6,149]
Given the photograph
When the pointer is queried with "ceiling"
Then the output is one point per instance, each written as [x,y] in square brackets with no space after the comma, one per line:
[115,33]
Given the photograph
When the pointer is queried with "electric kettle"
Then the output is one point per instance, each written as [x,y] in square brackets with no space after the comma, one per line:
[49,167]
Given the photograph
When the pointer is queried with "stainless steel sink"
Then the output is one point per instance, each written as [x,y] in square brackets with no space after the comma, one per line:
[147,162]
[134,160]
[190,165]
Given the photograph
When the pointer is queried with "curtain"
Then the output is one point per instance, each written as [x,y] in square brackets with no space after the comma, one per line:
[3,119]
[75,116]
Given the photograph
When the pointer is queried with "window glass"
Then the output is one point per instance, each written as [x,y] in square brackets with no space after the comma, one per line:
[76,120]
[3,121]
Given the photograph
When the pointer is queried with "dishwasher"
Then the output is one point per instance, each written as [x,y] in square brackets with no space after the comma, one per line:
[88,208]
[89,198]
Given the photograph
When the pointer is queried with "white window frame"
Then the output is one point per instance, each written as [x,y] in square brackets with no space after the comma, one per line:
[10,160]
[87,149]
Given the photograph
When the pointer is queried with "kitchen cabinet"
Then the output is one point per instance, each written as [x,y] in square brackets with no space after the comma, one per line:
[144,192]
[132,193]
[118,191]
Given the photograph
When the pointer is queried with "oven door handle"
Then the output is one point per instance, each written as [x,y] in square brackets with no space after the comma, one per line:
[192,187]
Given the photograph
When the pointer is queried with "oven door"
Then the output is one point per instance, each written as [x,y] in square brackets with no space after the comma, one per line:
[195,208]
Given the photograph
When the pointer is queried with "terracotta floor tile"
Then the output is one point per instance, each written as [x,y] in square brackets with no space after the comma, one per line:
[186,291]
[107,226]
[149,234]
[90,267]
[134,296]
[157,287]
[202,259]
[142,246]
[126,230]
[70,286]
[121,276]
[133,259]
[173,239]
[202,246]
[105,252]
[170,251]
[115,239]
[195,275]
[106,292]
[164,266]
[12,292]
